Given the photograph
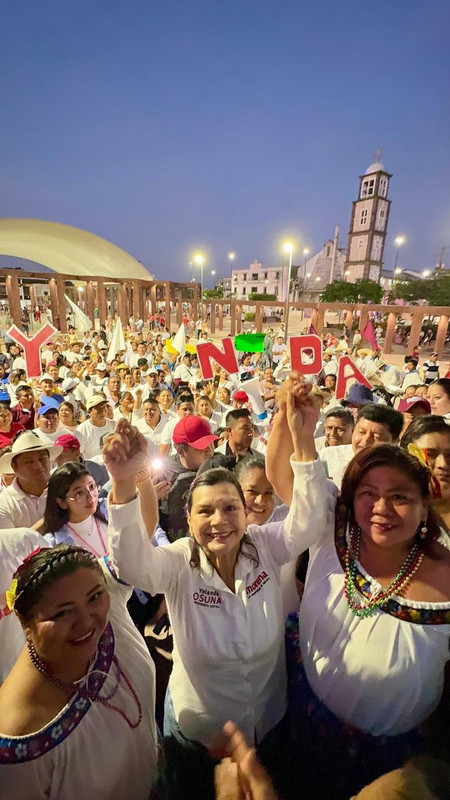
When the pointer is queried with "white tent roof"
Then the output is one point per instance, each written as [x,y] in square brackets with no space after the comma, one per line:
[67,250]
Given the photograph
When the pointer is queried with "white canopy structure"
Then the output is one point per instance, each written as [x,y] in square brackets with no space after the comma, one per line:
[67,250]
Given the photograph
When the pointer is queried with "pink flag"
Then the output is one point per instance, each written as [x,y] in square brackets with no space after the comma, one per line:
[369,335]
[312,330]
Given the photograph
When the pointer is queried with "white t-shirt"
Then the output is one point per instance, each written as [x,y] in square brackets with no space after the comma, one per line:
[337,459]
[92,437]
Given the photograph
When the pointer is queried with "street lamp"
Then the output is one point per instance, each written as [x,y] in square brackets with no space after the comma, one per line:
[426,273]
[288,248]
[199,259]
[398,243]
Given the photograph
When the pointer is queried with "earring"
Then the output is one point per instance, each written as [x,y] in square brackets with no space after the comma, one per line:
[423,531]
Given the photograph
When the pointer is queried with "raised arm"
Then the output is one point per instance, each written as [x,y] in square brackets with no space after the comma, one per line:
[133,514]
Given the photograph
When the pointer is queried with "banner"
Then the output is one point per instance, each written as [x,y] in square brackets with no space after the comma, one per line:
[117,341]
[250,342]
[82,322]
[32,346]
[307,344]
[347,371]
[226,358]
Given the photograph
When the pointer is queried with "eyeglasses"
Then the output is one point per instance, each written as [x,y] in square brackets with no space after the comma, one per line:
[82,494]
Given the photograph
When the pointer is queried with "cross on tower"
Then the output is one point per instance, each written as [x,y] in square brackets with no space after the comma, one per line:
[377,156]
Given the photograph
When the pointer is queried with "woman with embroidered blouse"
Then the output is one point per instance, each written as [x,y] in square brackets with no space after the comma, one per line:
[76,710]
[368,659]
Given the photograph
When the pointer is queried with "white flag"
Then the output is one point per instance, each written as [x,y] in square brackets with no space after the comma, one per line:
[82,321]
[179,340]
[117,341]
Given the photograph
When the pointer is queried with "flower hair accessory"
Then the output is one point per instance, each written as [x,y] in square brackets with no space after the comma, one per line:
[11,594]
[12,591]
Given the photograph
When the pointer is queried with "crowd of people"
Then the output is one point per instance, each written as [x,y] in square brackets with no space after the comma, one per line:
[285,550]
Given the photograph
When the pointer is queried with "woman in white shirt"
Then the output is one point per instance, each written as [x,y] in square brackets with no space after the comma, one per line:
[224,598]
[127,409]
[72,514]
[370,649]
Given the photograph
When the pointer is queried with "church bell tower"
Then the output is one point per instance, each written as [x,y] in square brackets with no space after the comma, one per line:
[368,225]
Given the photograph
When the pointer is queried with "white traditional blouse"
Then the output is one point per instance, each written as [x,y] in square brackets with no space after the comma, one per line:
[382,673]
[89,750]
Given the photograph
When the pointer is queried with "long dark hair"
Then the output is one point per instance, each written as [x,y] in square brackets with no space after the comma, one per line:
[389,455]
[211,478]
[43,569]
[59,484]
[420,426]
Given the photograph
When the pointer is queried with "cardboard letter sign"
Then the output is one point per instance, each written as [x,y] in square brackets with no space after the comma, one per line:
[32,347]
[226,357]
[347,370]
[300,344]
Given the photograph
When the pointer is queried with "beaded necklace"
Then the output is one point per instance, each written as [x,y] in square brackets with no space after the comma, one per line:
[45,670]
[358,604]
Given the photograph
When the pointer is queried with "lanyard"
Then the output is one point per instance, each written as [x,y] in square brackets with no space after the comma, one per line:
[87,545]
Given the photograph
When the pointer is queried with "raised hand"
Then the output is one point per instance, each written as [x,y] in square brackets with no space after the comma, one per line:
[253,781]
[125,452]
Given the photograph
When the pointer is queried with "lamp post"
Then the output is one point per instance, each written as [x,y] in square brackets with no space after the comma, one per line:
[200,260]
[426,273]
[398,243]
[288,248]
[231,256]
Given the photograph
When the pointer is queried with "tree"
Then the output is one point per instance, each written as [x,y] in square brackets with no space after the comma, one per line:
[210,294]
[257,296]
[434,291]
[362,291]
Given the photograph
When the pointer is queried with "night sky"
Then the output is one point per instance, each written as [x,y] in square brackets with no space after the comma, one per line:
[175,126]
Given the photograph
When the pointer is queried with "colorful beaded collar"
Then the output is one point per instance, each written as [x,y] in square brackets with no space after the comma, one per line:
[18,749]
[403,611]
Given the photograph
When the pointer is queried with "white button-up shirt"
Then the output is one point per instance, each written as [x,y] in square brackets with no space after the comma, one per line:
[228,660]
[19,509]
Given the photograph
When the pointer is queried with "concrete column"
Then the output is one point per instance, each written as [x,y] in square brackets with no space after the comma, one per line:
[258,318]
[123,310]
[364,316]
[153,302]
[416,327]
[213,317]
[179,305]
[314,318]
[233,317]
[137,300]
[60,290]
[238,318]
[320,319]
[220,317]
[390,331]
[90,302]
[53,298]
[101,301]
[441,334]
[348,320]
[167,305]
[13,292]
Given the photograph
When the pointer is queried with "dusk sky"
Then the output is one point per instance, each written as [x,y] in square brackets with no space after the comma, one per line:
[183,125]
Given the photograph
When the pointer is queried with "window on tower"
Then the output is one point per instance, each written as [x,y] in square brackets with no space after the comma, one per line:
[363,219]
[383,187]
[368,187]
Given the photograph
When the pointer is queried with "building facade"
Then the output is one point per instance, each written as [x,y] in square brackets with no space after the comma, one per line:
[258,278]
[368,225]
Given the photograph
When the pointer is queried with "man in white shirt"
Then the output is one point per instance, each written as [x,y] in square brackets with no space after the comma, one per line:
[23,503]
[74,354]
[96,428]
[376,424]
[278,350]
[185,407]
[151,411]
[151,384]
[184,372]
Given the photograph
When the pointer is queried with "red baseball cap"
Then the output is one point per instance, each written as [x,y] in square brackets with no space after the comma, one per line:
[240,396]
[68,442]
[194,431]
[407,403]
